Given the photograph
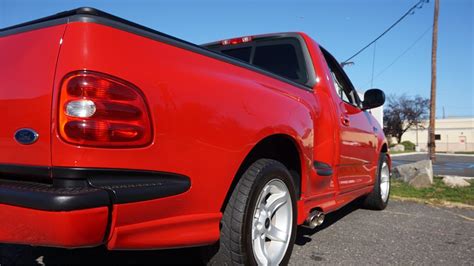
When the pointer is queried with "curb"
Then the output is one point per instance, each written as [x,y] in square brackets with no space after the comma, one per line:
[460,176]
[442,154]
[407,153]
[456,154]
[447,204]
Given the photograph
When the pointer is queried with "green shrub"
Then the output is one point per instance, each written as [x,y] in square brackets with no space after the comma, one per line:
[409,146]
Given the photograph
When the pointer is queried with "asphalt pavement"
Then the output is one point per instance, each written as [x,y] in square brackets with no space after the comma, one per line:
[405,233]
[445,164]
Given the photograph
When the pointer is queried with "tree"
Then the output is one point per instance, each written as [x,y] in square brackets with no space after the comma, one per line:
[402,113]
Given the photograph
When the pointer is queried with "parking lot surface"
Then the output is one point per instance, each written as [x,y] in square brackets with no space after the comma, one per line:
[405,233]
[446,164]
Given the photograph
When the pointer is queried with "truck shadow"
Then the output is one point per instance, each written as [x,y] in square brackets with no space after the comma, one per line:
[26,255]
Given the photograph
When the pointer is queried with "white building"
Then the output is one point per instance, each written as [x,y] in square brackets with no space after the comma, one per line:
[378,114]
[452,135]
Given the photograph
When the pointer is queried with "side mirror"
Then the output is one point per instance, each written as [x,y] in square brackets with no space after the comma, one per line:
[373,98]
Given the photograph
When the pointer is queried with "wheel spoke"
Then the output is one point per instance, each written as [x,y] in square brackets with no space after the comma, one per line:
[266,190]
[256,234]
[258,230]
[263,247]
[277,234]
[260,250]
[275,201]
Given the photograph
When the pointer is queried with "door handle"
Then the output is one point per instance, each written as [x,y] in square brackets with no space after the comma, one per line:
[345,120]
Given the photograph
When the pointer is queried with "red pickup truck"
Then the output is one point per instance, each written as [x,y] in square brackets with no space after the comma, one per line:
[118,135]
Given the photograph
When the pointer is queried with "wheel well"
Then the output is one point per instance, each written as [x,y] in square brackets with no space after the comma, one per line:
[384,148]
[281,148]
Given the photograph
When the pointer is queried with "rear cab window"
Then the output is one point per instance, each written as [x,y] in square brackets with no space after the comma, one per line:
[242,53]
[280,56]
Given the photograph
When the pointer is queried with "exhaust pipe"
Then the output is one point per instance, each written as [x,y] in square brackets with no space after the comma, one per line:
[315,219]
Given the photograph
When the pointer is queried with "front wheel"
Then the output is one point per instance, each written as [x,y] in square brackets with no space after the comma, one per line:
[259,222]
[378,198]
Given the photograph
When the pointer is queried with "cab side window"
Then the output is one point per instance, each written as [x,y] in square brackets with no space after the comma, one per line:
[342,84]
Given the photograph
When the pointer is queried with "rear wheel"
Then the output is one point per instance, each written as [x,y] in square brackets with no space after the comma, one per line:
[259,222]
[378,198]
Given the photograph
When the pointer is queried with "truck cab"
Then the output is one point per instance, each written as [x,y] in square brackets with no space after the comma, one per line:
[298,58]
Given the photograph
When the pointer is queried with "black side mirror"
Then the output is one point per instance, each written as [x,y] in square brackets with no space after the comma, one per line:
[373,98]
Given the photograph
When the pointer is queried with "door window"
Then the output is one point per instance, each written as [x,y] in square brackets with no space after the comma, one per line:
[342,84]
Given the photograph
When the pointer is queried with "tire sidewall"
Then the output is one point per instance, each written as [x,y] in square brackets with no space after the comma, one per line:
[271,172]
[383,158]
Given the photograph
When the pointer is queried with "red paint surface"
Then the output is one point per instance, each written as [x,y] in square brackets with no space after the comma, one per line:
[168,232]
[82,228]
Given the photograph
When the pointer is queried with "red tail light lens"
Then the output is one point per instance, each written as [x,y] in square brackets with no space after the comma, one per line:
[102,111]
[237,40]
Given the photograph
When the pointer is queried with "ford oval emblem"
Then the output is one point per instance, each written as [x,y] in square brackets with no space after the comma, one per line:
[26,136]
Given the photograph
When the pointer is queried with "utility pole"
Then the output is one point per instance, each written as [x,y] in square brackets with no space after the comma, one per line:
[434,47]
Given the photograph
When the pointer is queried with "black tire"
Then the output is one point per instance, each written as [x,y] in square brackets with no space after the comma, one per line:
[235,246]
[374,200]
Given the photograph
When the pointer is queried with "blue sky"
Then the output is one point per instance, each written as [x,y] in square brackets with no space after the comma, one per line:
[342,26]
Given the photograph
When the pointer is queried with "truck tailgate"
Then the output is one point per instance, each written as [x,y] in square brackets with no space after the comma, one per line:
[27,66]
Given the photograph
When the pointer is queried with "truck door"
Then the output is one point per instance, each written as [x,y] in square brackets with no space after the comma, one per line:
[357,139]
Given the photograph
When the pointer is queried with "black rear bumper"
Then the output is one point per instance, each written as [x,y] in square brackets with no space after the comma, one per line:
[46,197]
[83,188]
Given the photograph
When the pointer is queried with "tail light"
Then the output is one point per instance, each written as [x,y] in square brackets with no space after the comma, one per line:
[237,40]
[102,111]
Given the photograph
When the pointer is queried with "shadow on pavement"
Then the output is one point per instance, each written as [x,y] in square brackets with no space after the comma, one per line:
[304,234]
[26,255]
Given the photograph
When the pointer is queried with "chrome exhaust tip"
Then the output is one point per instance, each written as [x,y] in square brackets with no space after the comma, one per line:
[320,218]
[315,219]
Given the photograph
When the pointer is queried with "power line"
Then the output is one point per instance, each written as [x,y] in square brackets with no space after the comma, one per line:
[409,12]
[404,52]
[373,67]
[401,55]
